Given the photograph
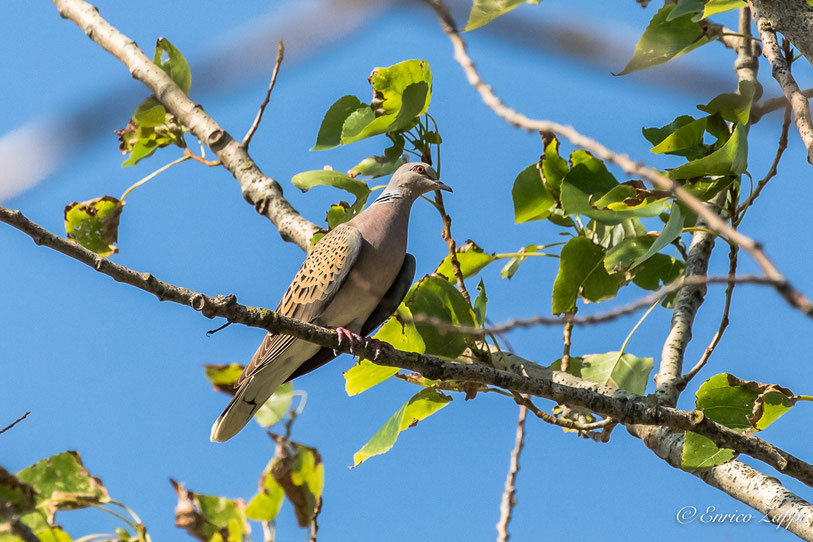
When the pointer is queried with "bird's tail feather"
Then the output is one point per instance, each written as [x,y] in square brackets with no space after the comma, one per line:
[249,398]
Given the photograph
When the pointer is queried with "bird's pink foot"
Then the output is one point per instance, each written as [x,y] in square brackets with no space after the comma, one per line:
[352,338]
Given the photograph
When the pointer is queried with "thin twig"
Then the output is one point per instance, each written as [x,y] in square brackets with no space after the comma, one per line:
[567,336]
[629,166]
[447,236]
[509,494]
[780,150]
[256,124]
[564,423]
[780,69]
[15,422]
[200,159]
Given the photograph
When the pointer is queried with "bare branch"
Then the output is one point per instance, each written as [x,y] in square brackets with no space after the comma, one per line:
[629,166]
[256,124]
[793,18]
[625,407]
[15,422]
[774,104]
[509,494]
[780,69]
[261,191]
[447,236]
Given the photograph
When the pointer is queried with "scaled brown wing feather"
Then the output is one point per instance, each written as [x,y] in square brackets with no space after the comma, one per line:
[322,274]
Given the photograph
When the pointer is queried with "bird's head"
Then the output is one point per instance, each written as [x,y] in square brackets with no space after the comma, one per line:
[416,178]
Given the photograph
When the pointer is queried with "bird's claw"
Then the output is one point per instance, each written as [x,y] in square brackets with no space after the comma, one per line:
[354,338]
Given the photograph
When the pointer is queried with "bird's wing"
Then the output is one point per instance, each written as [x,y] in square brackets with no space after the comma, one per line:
[322,274]
[396,293]
[385,308]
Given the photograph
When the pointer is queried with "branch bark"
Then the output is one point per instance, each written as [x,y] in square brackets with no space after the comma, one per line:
[780,67]
[528,378]
[258,189]
[793,18]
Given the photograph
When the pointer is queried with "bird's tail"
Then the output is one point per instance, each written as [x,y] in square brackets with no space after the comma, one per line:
[249,398]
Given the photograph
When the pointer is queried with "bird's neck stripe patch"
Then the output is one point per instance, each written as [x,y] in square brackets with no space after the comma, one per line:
[389,195]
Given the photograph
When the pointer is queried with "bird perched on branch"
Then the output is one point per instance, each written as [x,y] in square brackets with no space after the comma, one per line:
[352,280]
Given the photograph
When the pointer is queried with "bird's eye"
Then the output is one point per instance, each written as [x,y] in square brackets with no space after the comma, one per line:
[420,169]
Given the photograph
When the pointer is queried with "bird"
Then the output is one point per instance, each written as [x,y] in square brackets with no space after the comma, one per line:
[352,280]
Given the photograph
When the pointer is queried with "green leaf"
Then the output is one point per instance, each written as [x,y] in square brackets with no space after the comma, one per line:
[330,132]
[532,201]
[730,159]
[554,168]
[422,405]
[608,236]
[19,497]
[742,405]
[685,6]
[671,231]
[623,371]
[275,408]
[657,135]
[513,264]
[308,179]
[623,256]
[686,141]
[581,273]
[436,297]
[480,303]
[223,377]
[63,483]
[266,505]
[377,166]
[365,374]
[656,271]
[308,473]
[700,453]
[175,65]
[94,224]
[732,106]
[150,113]
[718,6]
[665,39]
[485,11]
[51,534]
[472,260]
[207,517]
[705,188]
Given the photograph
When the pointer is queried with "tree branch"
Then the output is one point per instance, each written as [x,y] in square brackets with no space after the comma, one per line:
[793,18]
[15,422]
[629,166]
[509,495]
[261,191]
[761,109]
[625,407]
[256,124]
[780,69]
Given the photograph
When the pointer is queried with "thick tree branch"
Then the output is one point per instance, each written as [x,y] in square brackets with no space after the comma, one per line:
[629,166]
[746,484]
[793,18]
[525,378]
[780,69]
[261,191]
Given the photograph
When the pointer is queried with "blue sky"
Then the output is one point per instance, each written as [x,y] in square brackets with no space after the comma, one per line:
[110,372]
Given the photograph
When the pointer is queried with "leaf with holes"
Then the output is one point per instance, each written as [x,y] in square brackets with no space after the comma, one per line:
[94,224]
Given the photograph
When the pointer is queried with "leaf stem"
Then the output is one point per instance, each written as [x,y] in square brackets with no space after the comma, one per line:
[155,173]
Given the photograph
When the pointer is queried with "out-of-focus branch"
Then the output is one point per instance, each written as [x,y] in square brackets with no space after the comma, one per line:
[780,69]
[625,407]
[261,191]
[758,110]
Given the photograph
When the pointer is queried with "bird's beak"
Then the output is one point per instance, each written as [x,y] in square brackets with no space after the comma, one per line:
[440,186]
